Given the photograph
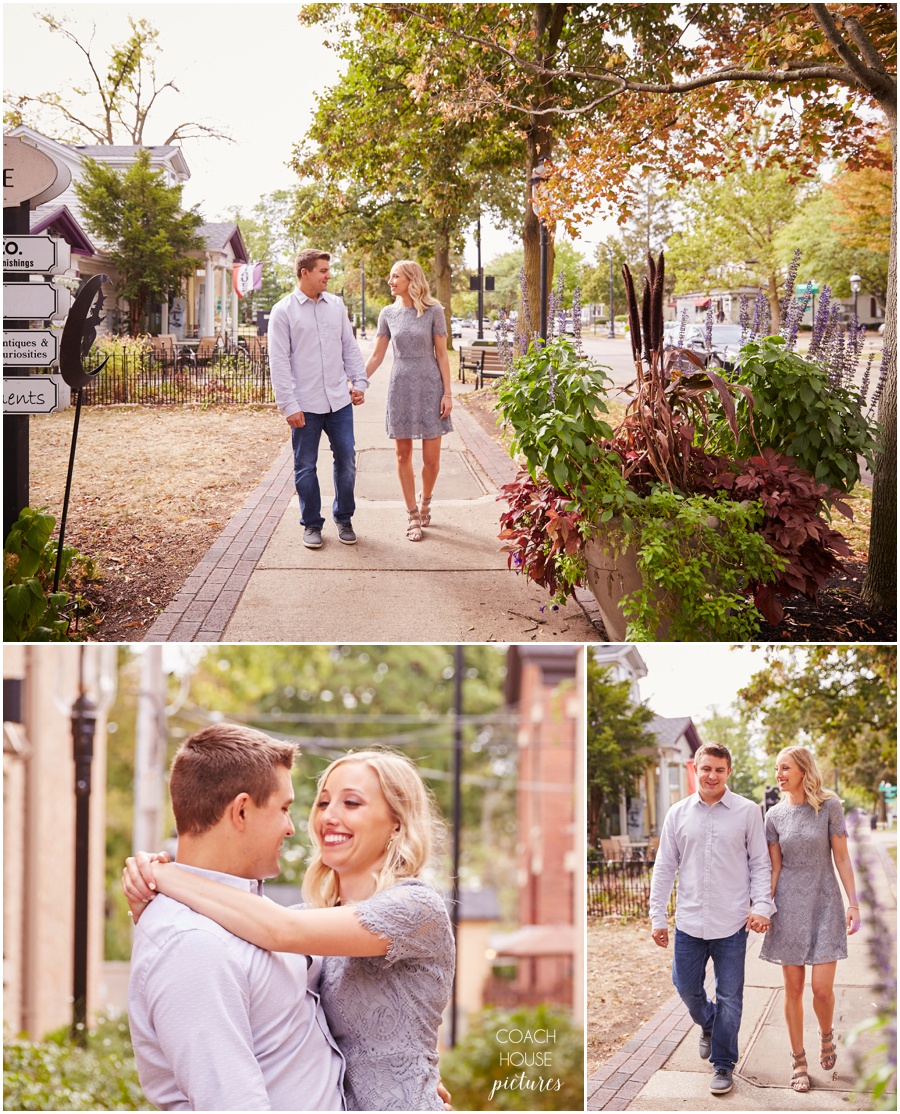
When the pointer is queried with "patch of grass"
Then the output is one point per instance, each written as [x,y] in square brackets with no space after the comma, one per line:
[57,1074]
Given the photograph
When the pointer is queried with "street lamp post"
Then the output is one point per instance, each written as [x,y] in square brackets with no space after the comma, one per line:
[855,286]
[480,285]
[612,319]
[534,182]
[84,725]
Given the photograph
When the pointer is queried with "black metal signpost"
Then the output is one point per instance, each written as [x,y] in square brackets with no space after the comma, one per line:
[79,334]
[30,177]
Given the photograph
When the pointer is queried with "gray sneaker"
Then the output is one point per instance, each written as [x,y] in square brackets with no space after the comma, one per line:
[705,1043]
[346,533]
[722,1081]
[312,537]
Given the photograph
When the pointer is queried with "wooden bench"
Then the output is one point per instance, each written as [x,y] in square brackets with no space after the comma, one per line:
[482,361]
[469,360]
[492,367]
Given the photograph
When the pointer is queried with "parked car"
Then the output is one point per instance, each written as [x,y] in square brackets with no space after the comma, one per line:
[723,352]
[455,327]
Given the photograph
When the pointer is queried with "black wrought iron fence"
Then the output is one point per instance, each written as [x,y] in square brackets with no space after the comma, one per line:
[621,889]
[151,378]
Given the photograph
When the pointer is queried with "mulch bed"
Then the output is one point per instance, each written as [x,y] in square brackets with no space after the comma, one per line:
[838,615]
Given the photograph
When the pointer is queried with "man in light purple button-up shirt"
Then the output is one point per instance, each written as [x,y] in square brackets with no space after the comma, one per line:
[312,354]
[217,1023]
[715,842]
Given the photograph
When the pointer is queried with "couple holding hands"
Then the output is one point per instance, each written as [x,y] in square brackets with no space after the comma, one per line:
[312,356]
[778,878]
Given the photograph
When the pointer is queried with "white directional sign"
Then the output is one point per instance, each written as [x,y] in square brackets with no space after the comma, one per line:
[35,394]
[35,254]
[30,301]
[30,347]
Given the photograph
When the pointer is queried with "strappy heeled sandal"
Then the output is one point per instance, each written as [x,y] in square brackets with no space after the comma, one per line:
[799,1074]
[414,529]
[425,509]
[828,1053]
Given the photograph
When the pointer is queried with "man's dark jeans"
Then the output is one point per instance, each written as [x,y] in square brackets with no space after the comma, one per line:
[338,427]
[722,1017]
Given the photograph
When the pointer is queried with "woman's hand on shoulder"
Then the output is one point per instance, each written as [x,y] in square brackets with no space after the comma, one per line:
[138,880]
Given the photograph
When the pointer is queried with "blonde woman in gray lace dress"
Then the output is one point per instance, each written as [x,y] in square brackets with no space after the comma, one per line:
[807,837]
[419,400]
[385,935]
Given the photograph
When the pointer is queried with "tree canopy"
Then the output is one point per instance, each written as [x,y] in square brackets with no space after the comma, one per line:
[147,233]
[115,103]
[618,743]
[839,700]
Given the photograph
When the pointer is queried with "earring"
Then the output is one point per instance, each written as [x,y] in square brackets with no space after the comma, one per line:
[390,844]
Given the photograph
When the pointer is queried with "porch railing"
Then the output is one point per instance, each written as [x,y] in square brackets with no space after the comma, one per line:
[153,379]
[621,889]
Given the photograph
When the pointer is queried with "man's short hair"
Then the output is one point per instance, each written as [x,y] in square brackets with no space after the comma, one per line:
[714,750]
[307,259]
[216,764]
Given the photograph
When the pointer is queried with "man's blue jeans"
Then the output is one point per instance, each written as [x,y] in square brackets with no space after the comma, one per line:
[722,1017]
[338,427]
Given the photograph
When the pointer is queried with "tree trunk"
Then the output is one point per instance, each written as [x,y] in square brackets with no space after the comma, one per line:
[443,279]
[880,585]
[547,23]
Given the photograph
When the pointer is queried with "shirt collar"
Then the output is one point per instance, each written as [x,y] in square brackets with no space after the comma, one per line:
[301,297]
[725,800]
[251,885]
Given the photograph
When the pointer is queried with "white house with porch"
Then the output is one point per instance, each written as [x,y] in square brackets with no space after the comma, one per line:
[209,305]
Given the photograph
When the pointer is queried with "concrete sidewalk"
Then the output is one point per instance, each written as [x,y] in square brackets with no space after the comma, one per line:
[659,1068]
[258,583]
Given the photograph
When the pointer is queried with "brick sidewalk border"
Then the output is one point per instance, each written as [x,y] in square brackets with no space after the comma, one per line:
[203,606]
[615,1083]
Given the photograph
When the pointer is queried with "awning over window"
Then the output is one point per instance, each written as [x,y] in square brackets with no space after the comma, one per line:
[701,303]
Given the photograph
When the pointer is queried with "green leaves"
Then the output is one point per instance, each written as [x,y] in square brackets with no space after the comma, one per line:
[555,402]
[701,558]
[30,612]
[800,412]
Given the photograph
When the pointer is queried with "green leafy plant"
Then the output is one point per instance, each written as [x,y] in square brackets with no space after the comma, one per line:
[700,556]
[555,401]
[799,410]
[56,1074]
[32,612]
[543,532]
[541,1068]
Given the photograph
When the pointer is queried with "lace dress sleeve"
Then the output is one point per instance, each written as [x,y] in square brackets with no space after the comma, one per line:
[384,328]
[412,916]
[771,830]
[837,825]
[438,321]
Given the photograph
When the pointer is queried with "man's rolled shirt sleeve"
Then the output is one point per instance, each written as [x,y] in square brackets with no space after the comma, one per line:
[280,371]
[760,863]
[665,867]
[354,365]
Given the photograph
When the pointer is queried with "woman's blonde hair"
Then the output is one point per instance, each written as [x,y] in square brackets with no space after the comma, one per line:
[815,791]
[411,805]
[419,290]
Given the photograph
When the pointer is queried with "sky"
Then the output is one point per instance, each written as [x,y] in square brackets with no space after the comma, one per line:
[689,679]
[247,68]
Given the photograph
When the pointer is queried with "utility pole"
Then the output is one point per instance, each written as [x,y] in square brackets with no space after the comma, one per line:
[149,754]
